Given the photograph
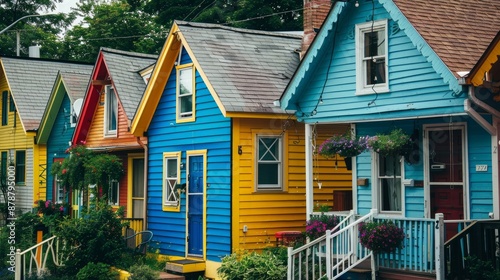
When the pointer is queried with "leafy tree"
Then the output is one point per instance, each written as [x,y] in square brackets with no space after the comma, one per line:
[115,24]
[42,30]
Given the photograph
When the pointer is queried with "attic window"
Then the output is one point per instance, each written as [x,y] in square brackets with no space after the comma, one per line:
[371,58]
[185,93]
[110,112]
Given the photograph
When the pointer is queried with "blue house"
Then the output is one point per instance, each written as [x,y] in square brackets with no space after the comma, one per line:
[394,64]
[59,121]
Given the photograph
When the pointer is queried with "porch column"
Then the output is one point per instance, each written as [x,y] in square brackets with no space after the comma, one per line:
[309,171]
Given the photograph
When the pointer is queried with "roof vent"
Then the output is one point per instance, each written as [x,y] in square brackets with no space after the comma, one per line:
[34,51]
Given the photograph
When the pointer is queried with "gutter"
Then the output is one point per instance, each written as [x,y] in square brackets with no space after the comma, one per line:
[145,204]
[476,116]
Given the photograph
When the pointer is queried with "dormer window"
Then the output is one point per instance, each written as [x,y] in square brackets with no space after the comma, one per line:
[110,112]
[371,58]
[185,93]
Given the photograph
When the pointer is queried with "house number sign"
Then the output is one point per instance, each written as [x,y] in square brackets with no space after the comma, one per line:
[481,167]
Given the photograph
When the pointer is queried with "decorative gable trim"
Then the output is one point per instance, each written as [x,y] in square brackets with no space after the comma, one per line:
[490,57]
[50,114]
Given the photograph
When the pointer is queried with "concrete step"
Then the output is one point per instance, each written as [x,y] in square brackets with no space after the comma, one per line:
[165,275]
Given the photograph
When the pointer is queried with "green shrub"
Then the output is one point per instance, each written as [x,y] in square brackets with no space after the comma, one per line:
[96,271]
[476,268]
[143,272]
[249,266]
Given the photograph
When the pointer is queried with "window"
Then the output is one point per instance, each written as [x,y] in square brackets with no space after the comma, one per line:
[114,192]
[170,180]
[269,163]
[110,112]
[5,104]
[390,186]
[185,93]
[72,117]
[3,170]
[58,190]
[12,105]
[20,167]
[371,57]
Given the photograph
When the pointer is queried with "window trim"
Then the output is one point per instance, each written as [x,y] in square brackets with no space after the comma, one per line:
[280,186]
[107,101]
[57,188]
[376,188]
[361,29]
[173,206]
[117,203]
[192,117]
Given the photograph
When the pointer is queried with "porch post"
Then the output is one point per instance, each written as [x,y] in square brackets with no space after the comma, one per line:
[439,246]
[309,172]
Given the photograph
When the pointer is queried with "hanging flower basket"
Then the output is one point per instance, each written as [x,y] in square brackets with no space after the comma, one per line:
[396,143]
[343,145]
[381,237]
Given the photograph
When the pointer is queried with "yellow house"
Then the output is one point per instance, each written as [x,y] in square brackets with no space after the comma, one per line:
[25,86]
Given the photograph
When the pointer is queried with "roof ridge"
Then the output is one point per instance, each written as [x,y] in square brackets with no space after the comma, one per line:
[44,59]
[240,30]
[127,53]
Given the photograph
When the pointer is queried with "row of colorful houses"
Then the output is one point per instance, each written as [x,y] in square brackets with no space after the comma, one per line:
[235,116]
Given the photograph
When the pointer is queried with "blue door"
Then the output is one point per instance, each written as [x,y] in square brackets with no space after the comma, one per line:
[195,206]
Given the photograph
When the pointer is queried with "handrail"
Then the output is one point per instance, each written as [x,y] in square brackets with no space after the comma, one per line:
[38,257]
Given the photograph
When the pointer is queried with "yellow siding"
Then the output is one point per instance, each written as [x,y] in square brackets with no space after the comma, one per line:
[40,181]
[265,213]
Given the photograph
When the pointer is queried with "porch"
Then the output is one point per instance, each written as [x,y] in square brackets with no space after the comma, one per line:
[425,255]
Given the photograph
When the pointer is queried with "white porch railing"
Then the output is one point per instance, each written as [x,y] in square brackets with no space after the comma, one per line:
[339,250]
[34,259]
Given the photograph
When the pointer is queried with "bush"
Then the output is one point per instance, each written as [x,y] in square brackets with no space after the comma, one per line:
[143,272]
[96,271]
[250,266]
[476,268]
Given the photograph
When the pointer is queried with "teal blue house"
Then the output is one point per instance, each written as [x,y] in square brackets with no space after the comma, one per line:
[397,64]
[59,121]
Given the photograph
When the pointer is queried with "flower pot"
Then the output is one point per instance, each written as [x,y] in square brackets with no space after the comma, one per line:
[348,163]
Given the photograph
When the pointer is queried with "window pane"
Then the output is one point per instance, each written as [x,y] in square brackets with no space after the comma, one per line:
[171,195]
[375,71]
[112,109]
[269,162]
[3,173]
[391,194]
[389,166]
[374,43]
[269,149]
[20,166]
[268,174]
[186,105]
[186,81]
[114,193]
[5,113]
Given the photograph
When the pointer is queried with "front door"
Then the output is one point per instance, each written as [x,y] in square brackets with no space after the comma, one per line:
[195,206]
[137,188]
[446,173]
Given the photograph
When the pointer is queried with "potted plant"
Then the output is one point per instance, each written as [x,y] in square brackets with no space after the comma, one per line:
[381,237]
[318,224]
[344,145]
[395,143]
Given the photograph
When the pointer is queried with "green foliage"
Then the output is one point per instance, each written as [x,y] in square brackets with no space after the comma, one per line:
[249,266]
[476,268]
[143,272]
[96,271]
[395,143]
[97,237]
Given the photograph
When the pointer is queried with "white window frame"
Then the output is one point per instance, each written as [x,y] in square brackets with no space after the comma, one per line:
[186,116]
[72,116]
[279,160]
[377,187]
[58,190]
[109,97]
[362,87]
[111,193]
[169,176]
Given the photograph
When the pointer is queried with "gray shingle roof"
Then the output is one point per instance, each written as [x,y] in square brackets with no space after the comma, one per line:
[76,83]
[31,81]
[123,68]
[248,69]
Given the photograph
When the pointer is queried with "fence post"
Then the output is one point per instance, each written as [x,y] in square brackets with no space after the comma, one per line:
[439,246]
[290,264]
[19,268]
[328,251]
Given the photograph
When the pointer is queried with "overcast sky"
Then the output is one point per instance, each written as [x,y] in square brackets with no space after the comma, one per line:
[65,6]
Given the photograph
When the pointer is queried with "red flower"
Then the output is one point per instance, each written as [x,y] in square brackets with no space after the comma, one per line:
[64,171]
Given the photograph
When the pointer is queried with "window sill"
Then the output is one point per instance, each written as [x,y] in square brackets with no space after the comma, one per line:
[268,191]
[370,91]
[167,208]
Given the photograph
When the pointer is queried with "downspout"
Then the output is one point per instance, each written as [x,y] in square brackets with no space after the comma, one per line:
[476,116]
[145,204]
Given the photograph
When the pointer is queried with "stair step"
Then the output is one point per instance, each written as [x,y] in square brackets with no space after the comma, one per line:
[165,275]
[393,275]
[185,266]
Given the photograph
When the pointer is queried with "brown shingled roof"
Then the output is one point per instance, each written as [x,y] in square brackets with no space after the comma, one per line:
[459,31]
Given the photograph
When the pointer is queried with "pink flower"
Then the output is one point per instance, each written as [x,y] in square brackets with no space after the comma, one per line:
[47,203]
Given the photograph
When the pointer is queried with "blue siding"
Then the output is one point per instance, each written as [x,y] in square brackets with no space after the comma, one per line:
[210,131]
[415,87]
[57,143]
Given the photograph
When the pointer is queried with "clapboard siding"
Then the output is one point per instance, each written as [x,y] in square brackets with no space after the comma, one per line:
[211,132]
[414,91]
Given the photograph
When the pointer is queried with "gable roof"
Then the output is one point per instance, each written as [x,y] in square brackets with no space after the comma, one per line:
[30,81]
[451,35]
[72,83]
[244,70]
[122,69]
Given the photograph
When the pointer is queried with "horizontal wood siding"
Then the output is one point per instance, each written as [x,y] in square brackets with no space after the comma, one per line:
[95,137]
[265,213]
[210,131]
[41,175]
[24,193]
[58,141]
[414,91]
